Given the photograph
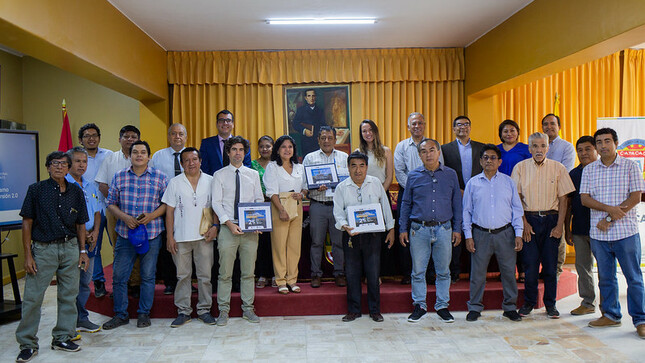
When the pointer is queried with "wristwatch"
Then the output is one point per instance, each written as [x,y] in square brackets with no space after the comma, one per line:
[608,219]
[83,251]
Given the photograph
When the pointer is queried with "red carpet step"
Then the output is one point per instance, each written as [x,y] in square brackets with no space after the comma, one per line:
[330,299]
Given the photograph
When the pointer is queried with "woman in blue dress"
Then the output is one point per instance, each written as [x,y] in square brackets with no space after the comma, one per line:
[513,152]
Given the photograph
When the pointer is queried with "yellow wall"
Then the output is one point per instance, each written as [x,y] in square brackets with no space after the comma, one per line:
[40,88]
[90,38]
[10,87]
[547,31]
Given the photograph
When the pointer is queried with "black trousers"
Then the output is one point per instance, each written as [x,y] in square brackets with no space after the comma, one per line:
[363,256]
[166,269]
[264,261]
[404,258]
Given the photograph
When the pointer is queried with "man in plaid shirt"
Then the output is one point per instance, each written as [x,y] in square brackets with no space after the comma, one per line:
[611,187]
[135,199]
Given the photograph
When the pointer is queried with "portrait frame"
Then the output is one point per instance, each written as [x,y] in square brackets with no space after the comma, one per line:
[321,174]
[366,218]
[333,100]
[255,217]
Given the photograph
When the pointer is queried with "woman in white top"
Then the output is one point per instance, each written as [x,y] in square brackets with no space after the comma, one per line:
[380,164]
[284,180]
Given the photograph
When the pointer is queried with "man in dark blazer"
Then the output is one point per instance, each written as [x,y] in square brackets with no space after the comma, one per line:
[211,147]
[308,120]
[466,150]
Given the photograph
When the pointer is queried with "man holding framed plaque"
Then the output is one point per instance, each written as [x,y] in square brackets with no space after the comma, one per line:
[361,201]
[322,168]
[231,238]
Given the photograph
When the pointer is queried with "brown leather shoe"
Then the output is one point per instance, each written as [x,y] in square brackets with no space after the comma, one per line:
[351,317]
[583,310]
[640,330]
[315,282]
[341,281]
[604,322]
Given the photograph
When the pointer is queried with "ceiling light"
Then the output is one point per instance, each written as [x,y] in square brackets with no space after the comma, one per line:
[321,21]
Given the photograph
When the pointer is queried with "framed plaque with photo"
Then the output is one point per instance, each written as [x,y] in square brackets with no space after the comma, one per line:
[321,174]
[366,218]
[255,217]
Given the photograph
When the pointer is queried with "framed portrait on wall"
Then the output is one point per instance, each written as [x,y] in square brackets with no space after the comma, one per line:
[308,107]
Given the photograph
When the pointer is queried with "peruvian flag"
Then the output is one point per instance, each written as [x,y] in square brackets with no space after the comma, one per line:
[65,142]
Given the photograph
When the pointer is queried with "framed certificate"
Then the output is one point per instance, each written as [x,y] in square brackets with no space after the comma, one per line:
[366,218]
[255,217]
[321,174]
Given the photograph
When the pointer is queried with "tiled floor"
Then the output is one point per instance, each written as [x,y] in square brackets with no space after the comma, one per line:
[327,339]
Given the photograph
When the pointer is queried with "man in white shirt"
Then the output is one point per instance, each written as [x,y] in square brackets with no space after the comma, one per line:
[362,249]
[89,135]
[234,184]
[118,160]
[186,196]
[406,159]
[167,161]
[321,209]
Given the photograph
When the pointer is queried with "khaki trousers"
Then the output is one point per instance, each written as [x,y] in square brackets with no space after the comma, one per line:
[202,253]
[285,245]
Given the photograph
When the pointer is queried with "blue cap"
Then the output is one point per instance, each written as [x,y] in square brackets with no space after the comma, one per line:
[139,239]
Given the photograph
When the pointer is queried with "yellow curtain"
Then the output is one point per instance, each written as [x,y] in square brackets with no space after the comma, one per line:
[633,101]
[386,85]
[586,92]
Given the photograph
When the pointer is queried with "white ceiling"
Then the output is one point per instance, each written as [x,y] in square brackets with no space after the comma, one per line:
[240,24]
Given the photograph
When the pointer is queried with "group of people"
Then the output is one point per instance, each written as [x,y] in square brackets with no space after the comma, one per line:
[163,214]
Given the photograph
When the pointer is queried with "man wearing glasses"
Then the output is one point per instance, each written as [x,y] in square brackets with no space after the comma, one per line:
[212,148]
[492,225]
[89,135]
[462,155]
[53,236]
[431,216]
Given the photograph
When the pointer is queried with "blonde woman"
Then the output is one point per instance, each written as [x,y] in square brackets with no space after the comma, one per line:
[285,186]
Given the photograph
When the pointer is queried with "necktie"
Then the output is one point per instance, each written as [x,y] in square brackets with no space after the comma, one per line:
[237,194]
[177,167]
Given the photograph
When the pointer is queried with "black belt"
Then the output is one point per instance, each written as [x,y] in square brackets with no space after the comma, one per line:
[541,213]
[59,240]
[329,204]
[493,231]
[429,223]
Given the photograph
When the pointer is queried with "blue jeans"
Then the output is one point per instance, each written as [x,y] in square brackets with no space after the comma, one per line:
[628,253]
[124,256]
[98,264]
[435,242]
[84,292]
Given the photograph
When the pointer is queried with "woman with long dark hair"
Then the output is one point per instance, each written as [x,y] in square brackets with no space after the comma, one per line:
[285,186]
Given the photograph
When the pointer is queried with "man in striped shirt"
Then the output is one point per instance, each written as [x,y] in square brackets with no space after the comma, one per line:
[543,185]
[611,187]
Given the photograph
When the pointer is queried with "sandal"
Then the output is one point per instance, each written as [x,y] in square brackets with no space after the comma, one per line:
[294,288]
[283,289]
[261,283]
[273,283]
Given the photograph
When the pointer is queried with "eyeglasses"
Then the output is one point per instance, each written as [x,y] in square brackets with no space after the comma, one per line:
[466,124]
[490,157]
[225,120]
[92,136]
[131,137]
[60,163]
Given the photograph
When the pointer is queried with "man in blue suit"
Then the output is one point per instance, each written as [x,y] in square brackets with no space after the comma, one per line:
[212,147]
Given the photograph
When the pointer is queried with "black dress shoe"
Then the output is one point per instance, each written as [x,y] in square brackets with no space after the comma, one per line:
[143,321]
[351,317]
[377,317]
[169,290]
[406,280]
[513,315]
[473,315]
